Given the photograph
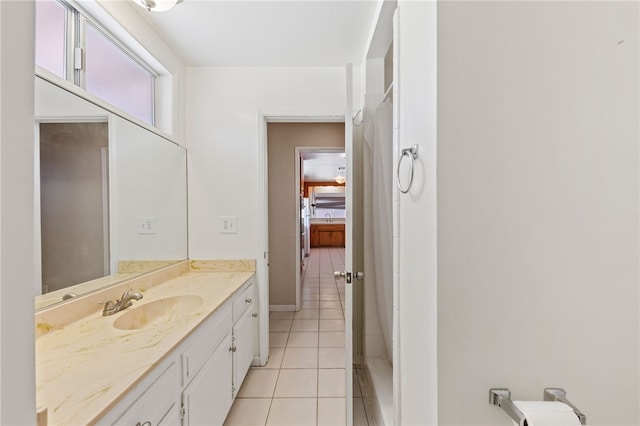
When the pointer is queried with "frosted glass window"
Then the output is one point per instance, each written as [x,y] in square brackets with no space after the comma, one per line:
[116,77]
[51,19]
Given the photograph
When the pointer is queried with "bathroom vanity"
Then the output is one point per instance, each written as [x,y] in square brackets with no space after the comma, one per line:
[177,356]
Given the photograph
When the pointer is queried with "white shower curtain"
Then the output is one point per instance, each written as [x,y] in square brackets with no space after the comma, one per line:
[379,136]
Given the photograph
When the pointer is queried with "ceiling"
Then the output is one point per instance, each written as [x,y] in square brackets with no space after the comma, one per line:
[294,33]
[323,166]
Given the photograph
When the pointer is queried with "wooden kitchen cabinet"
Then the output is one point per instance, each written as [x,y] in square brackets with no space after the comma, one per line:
[327,235]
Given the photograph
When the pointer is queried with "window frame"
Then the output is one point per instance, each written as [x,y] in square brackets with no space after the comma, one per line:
[83,21]
[76,21]
[68,44]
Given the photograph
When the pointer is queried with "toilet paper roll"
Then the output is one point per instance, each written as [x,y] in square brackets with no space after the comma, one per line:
[547,413]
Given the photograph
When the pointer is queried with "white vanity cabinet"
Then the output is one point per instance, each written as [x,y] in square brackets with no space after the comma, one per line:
[152,402]
[197,350]
[209,396]
[244,332]
[152,405]
[195,384]
[207,399]
[207,361]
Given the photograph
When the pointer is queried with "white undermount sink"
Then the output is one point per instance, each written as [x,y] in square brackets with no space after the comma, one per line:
[157,312]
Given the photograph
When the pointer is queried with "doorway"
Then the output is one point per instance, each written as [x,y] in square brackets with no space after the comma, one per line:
[285,141]
[322,217]
[307,334]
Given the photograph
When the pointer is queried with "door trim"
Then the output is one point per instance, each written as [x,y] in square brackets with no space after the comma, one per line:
[262,256]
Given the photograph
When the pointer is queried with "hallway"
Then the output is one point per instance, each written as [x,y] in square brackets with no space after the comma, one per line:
[303,382]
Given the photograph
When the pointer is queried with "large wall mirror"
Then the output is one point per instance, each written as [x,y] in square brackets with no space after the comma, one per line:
[112,197]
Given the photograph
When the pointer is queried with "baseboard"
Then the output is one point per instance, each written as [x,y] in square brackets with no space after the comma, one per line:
[273,308]
[256,361]
[379,376]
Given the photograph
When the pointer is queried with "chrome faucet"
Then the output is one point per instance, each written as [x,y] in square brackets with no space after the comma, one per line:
[328,216]
[127,299]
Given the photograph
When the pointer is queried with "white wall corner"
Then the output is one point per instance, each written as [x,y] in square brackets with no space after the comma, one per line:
[17,330]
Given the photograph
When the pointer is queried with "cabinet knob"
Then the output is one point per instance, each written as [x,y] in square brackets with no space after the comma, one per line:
[247,300]
[147,423]
[255,315]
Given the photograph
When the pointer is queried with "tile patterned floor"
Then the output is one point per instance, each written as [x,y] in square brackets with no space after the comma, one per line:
[303,382]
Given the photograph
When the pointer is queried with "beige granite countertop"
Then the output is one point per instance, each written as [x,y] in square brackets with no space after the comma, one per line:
[85,367]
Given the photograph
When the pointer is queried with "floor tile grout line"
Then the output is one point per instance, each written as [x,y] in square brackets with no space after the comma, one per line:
[328,260]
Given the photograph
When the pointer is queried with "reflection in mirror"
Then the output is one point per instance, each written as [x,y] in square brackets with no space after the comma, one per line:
[326,202]
[74,208]
[113,196]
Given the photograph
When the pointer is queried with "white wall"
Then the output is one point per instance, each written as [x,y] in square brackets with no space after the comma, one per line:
[17,376]
[147,178]
[415,257]
[538,129]
[222,134]
[150,179]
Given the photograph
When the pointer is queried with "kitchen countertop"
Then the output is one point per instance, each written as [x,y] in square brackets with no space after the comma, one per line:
[85,367]
[326,221]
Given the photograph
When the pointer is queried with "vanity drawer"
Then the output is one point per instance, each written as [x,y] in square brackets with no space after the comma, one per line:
[155,402]
[243,300]
[203,343]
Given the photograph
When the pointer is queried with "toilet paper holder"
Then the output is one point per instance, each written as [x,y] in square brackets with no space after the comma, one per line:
[502,398]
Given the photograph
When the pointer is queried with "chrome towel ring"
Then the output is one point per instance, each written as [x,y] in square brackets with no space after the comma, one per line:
[412,153]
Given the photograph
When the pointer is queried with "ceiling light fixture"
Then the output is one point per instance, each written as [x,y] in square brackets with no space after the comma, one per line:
[157,5]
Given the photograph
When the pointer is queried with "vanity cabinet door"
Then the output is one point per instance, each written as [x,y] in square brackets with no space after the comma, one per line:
[204,342]
[172,418]
[155,404]
[207,399]
[244,336]
[243,301]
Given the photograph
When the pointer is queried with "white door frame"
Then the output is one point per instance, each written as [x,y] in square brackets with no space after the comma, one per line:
[349,243]
[262,264]
[106,233]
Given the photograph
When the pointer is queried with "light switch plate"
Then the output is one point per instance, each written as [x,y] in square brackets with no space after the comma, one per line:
[147,225]
[228,224]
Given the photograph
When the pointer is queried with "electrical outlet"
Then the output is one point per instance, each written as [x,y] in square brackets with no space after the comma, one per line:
[147,225]
[228,224]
